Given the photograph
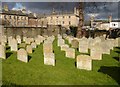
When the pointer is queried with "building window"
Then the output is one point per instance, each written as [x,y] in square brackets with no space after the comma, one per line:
[10,17]
[69,23]
[5,16]
[63,22]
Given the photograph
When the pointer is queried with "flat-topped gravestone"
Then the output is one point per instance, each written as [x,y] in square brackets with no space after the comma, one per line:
[70,53]
[75,43]
[2,52]
[84,62]
[83,46]
[29,49]
[33,45]
[22,55]
[49,59]
[105,47]
[96,52]
[14,45]
[64,47]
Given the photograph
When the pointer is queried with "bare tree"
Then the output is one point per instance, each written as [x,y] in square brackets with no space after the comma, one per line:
[81,20]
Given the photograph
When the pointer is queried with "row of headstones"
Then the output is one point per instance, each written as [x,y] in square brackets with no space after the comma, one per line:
[98,47]
[21,53]
[83,61]
[49,56]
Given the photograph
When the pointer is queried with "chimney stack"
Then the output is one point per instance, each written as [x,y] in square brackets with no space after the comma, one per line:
[110,19]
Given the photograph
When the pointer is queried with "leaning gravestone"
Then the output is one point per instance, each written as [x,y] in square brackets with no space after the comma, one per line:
[14,45]
[70,53]
[75,43]
[2,52]
[49,59]
[96,52]
[29,49]
[22,55]
[84,62]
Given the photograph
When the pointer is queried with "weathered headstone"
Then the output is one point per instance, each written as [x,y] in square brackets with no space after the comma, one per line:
[75,43]
[84,62]
[2,52]
[29,49]
[14,45]
[18,38]
[96,52]
[49,59]
[22,55]
[47,48]
[70,53]
[83,45]
[61,42]
[64,47]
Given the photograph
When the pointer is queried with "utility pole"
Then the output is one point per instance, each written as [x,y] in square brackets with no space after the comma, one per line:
[81,20]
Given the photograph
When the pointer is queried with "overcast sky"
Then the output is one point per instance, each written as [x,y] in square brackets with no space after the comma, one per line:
[103,9]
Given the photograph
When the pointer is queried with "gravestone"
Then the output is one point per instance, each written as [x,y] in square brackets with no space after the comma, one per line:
[14,45]
[105,47]
[84,62]
[28,40]
[33,45]
[22,55]
[96,52]
[47,48]
[75,43]
[49,59]
[70,53]
[18,38]
[2,52]
[64,47]
[10,40]
[61,42]
[83,45]
[37,41]
[22,45]
[29,49]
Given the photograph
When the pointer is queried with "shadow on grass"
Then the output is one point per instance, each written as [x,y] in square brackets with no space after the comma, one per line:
[117,58]
[8,84]
[112,71]
[7,48]
[117,47]
[8,54]
[29,57]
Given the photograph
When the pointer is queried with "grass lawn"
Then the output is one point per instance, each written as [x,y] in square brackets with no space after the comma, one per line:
[15,72]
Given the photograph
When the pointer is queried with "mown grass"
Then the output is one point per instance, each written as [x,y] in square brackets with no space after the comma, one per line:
[15,72]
